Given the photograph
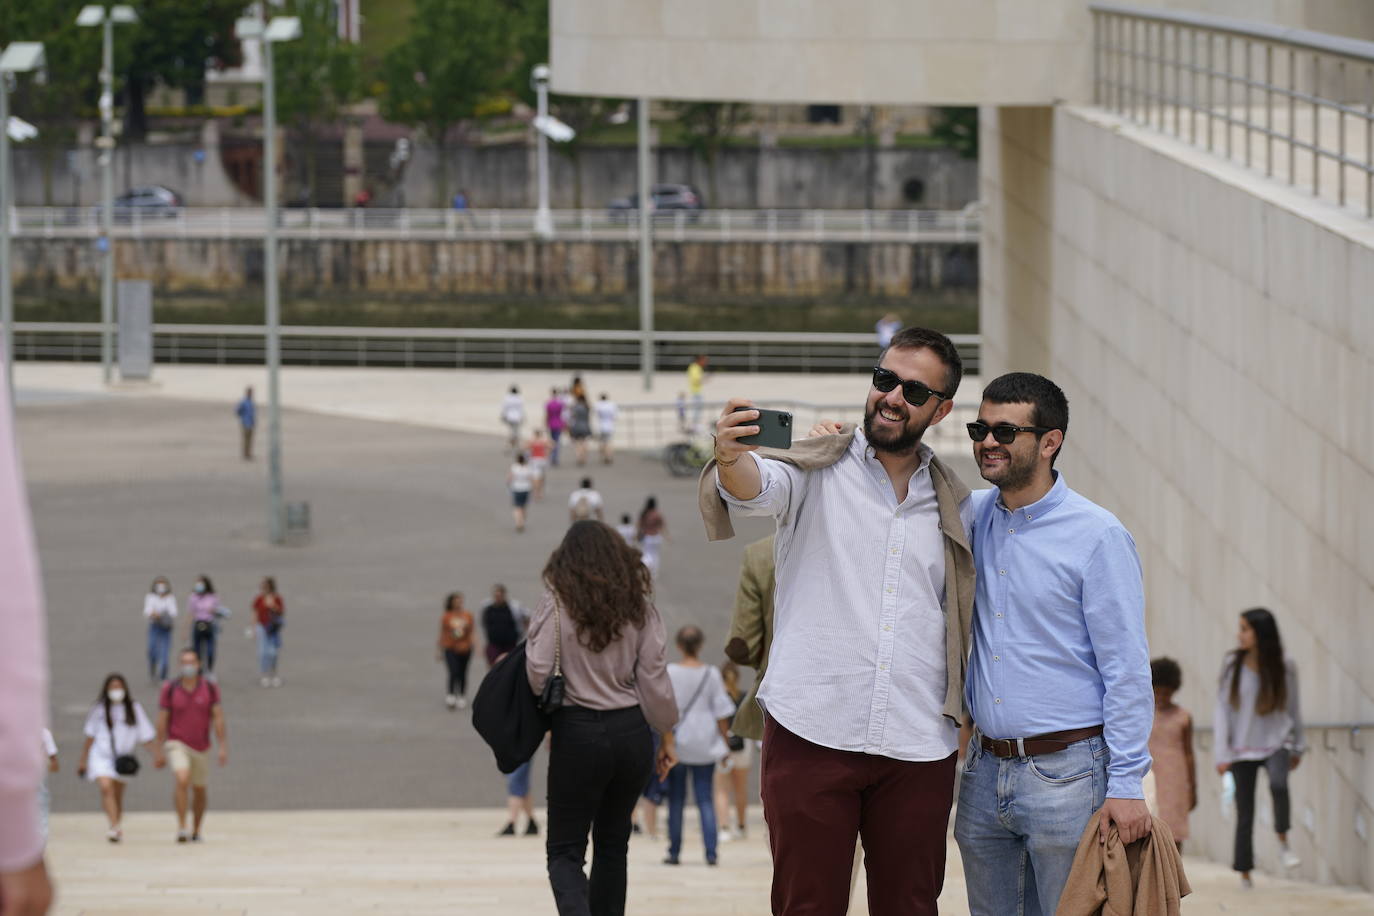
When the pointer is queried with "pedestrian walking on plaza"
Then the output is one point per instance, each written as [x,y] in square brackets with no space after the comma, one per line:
[553,419]
[24,885]
[455,649]
[577,389]
[520,479]
[586,503]
[206,612]
[606,414]
[247,413]
[503,619]
[520,799]
[703,727]
[1171,750]
[115,727]
[270,611]
[628,530]
[1258,725]
[580,427]
[538,450]
[189,707]
[597,625]
[732,779]
[650,531]
[887,328]
[160,612]
[1059,673]
[696,378]
[513,415]
[879,564]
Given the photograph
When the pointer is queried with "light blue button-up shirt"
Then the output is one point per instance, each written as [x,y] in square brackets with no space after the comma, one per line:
[1059,628]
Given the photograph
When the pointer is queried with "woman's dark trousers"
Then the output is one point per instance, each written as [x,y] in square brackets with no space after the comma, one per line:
[1246,774]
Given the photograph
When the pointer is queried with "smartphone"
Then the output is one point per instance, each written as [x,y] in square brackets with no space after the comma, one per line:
[775,429]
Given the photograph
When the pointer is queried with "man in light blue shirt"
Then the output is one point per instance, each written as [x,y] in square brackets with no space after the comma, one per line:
[1059,676]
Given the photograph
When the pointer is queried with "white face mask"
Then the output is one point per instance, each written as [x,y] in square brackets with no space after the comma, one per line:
[190,670]
[160,588]
[116,695]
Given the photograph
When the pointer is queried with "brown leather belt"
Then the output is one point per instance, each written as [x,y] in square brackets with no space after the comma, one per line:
[1051,743]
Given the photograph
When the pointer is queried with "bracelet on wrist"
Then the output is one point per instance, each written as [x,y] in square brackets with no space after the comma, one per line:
[725,464]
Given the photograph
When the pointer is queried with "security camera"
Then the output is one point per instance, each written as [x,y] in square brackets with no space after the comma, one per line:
[540,73]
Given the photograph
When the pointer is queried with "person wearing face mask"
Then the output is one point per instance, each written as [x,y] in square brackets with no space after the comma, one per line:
[115,727]
[187,709]
[160,610]
[206,612]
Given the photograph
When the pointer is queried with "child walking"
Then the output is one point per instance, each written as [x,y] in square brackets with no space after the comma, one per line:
[1171,747]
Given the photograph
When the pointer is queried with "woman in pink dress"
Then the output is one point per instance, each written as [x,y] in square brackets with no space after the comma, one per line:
[1171,746]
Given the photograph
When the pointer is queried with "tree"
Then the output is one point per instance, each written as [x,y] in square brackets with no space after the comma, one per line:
[459,54]
[71,84]
[958,128]
[707,127]
[317,75]
[173,44]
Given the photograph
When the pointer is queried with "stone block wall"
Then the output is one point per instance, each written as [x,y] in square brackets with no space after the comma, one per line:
[1214,332]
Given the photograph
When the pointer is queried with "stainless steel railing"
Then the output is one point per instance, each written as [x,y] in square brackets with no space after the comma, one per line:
[1296,103]
[505,348]
[952,226]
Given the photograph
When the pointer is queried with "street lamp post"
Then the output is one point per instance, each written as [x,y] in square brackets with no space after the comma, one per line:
[543,218]
[646,250]
[280,28]
[91,16]
[19,57]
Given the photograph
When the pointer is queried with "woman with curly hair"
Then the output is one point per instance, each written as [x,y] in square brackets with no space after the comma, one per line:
[597,623]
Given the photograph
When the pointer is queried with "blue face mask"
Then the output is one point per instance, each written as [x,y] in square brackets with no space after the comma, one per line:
[200,588]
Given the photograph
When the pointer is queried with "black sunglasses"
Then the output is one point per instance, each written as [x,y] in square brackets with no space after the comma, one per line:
[1003,433]
[916,393]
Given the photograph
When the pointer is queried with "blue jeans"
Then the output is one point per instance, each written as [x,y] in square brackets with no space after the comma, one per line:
[701,776]
[1019,823]
[269,645]
[159,648]
[204,645]
[518,781]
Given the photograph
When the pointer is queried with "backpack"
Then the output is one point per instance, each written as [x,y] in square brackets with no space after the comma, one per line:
[499,621]
[582,509]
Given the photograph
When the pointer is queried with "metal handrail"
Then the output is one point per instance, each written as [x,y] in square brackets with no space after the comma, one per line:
[1186,73]
[949,226]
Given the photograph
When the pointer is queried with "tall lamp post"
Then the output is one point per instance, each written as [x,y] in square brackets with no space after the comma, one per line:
[278,29]
[19,57]
[89,17]
[543,217]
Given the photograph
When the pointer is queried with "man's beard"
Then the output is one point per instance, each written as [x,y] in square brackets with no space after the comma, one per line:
[899,443]
[1016,474]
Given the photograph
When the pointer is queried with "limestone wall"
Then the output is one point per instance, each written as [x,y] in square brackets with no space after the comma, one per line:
[1215,335]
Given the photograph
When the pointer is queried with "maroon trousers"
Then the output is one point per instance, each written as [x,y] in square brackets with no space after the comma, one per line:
[818,801]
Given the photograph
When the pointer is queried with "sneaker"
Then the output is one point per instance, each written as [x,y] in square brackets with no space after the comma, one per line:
[1246,884]
[531,829]
[114,834]
[183,836]
[451,701]
[725,835]
[265,682]
[276,682]
[462,702]
[1288,857]
[195,838]
[508,830]
[671,860]
[711,860]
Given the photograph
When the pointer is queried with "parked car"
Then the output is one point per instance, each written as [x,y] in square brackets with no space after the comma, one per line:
[147,202]
[664,197]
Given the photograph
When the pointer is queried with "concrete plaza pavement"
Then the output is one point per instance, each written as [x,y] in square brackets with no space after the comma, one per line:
[418,863]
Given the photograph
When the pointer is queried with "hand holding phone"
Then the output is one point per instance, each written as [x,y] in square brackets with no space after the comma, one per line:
[775,429]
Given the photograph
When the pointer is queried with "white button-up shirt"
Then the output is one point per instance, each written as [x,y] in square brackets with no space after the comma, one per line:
[858,656]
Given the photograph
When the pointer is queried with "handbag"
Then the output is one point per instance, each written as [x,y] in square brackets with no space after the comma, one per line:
[124,764]
[555,689]
[507,714]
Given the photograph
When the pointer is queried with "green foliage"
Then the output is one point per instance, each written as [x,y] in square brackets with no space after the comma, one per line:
[459,53]
[957,128]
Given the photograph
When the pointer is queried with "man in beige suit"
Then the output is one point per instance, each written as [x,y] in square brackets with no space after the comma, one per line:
[751,630]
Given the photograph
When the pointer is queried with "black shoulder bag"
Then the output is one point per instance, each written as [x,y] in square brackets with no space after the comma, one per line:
[124,764]
[555,689]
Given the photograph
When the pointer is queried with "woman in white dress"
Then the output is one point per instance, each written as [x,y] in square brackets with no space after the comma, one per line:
[115,728]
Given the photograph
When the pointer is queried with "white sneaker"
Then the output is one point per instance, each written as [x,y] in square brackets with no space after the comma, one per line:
[265,682]
[1288,857]
[1246,884]
[276,682]
[451,701]
[462,702]
[726,835]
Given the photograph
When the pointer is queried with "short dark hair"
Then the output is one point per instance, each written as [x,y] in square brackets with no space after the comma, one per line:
[586,483]
[689,639]
[1049,406]
[915,338]
[1165,672]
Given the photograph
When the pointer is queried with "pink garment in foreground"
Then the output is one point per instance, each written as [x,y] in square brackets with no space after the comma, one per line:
[23,660]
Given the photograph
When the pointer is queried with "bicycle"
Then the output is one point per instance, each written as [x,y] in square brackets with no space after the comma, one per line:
[686,459]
